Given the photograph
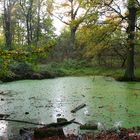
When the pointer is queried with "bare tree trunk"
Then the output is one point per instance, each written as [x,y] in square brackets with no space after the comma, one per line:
[38,23]
[129,72]
[73,29]
[28,31]
[28,16]
[7,25]
[123,62]
[72,41]
[30,19]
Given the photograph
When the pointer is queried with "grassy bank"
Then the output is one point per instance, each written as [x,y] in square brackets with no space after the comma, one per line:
[69,70]
[66,68]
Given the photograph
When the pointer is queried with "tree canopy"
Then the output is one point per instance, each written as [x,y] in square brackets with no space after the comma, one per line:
[101,30]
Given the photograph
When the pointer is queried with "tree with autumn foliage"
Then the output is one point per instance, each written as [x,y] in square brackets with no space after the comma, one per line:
[126,13]
[26,32]
[132,9]
[73,14]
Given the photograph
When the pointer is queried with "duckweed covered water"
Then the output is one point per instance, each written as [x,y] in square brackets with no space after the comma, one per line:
[108,102]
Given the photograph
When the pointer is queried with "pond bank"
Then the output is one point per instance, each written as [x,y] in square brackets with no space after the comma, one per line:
[47,72]
[58,133]
[31,76]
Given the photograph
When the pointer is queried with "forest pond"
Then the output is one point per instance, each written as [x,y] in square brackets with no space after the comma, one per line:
[108,102]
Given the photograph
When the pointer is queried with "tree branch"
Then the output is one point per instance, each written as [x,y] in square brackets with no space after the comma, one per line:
[60,19]
[137,27]
[24,13]
[138,2]
[119,13]
[75,13]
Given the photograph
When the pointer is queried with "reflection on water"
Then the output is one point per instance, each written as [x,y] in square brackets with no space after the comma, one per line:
[109,103]
[3,130]
[118,124]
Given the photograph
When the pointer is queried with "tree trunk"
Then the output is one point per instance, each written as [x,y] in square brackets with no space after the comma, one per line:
[72,42]
[73,34]
[123,62]
[28,30]
[29,23]
[7,26]
[129,72]
[38,23]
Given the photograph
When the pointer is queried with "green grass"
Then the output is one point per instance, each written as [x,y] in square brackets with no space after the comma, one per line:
[81,68]
[137,72]
[69,70]
[74,68]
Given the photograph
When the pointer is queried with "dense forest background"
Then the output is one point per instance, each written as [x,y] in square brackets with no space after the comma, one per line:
[99,36]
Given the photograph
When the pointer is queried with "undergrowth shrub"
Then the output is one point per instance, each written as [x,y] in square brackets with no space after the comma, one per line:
[21,67]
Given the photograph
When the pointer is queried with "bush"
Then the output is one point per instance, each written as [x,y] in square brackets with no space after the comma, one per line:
[21,68]
[73,63]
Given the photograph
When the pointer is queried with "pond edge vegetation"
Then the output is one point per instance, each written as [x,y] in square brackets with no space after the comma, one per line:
[28,71]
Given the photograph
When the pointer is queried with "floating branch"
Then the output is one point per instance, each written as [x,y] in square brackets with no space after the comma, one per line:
[58,124]
[78,108]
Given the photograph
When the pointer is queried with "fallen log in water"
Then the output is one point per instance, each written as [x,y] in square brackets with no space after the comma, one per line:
[48,132]
[88,127]
[2,116]
[21,121]
[58,124]
[78,108]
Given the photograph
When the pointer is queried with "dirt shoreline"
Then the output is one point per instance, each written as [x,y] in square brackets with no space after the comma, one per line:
[51,75]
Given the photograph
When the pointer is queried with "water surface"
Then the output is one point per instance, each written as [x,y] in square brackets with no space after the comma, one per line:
[108,102]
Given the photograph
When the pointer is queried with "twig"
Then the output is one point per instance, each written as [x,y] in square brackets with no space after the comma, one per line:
[20,121]
[59,124]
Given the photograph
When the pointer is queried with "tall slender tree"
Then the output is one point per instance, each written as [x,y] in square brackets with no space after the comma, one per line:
[27,10]
[7,22]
